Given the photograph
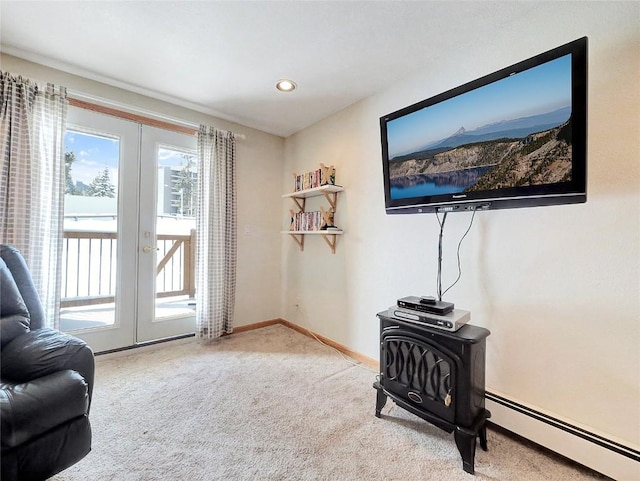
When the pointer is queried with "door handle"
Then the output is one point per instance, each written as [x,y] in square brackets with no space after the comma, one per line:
[146,249]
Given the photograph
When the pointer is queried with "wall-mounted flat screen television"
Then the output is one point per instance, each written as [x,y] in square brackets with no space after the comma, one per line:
[513,138]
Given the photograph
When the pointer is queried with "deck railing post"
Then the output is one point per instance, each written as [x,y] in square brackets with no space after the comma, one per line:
[190,273]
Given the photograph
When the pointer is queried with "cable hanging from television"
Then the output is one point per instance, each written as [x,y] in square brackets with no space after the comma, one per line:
[439,280]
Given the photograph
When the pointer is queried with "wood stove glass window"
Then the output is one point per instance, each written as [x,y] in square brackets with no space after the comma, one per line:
[420,373]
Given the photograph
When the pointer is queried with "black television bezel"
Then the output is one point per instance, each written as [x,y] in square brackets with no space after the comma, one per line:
[571,192]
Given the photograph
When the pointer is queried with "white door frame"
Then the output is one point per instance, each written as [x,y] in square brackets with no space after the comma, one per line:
[136,228]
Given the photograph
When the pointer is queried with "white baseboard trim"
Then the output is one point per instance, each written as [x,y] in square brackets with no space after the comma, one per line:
[606,456]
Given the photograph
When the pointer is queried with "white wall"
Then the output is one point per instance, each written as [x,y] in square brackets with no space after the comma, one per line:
[259,168]
[557,286]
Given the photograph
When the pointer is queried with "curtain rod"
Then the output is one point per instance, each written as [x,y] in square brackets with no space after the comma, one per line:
[148,117]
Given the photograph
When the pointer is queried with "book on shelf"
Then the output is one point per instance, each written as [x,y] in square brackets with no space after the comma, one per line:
[315,178]
[306,221]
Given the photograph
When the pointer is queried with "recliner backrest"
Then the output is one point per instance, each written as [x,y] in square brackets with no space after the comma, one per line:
[20,272]
[14,316]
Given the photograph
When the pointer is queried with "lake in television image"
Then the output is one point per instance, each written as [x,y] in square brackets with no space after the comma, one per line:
[510,133]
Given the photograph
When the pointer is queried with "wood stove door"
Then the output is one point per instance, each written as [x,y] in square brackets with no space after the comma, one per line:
[419,372]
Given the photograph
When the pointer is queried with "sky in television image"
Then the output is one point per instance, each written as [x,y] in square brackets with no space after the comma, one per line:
[540,95]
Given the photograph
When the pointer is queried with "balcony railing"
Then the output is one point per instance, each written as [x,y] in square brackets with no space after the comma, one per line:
[90,259]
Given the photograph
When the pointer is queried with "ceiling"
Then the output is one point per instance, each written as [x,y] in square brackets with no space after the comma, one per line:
[224,58]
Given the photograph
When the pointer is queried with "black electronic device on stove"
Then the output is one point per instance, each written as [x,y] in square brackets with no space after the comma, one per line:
[426,304]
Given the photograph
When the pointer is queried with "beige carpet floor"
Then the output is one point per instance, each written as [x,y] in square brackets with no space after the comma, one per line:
[273,404]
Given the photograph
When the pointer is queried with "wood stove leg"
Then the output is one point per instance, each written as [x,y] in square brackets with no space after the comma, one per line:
[466,442]
[381,400]
[483,437]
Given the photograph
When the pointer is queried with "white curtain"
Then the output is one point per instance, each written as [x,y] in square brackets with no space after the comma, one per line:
[32,124]
[216,233]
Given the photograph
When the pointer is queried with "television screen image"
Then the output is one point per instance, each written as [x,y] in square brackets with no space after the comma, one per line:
[511,139]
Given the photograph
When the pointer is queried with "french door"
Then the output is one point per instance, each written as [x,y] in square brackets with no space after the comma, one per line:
[129,246]
[166,232]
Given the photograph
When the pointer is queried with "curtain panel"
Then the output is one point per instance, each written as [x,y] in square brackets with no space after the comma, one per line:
[216,232]
[32,126]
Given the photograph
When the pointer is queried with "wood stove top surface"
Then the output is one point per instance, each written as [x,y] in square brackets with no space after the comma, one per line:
[468,333]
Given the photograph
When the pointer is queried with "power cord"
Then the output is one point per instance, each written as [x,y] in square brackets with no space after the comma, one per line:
[347,359]
[458,254]
[439,281]
[351,361]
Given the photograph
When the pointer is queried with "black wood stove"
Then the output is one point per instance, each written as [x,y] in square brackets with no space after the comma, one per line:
[437,375]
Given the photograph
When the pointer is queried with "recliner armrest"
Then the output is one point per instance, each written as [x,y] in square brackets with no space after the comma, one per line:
[29,410]
[45,351]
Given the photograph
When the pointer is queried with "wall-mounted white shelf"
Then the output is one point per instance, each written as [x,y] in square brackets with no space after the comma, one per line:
[329,191]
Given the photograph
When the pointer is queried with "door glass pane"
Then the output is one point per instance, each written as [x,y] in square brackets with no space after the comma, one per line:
[175,232]
[90,230]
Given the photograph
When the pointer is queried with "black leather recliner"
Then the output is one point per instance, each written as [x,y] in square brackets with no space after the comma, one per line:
[46,382]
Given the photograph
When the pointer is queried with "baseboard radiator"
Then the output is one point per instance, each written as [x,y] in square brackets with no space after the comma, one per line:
[604,455]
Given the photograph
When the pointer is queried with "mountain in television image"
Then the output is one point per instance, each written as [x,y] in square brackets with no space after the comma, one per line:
[535,158]
[512,129]
[509,129]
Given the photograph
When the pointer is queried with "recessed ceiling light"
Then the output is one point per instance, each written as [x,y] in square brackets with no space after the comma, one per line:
[285,85]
